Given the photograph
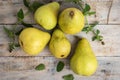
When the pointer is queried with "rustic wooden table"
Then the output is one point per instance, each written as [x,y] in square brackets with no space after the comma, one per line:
[19,66]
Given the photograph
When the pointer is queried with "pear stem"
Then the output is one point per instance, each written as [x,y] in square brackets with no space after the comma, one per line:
[71,14]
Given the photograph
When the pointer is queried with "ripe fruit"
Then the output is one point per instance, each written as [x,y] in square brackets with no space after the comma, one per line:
[84,61]
[59,45]
[46,15]
[71,20]
[33,40]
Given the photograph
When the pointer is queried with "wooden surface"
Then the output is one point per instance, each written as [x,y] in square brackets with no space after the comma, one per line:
[19,66]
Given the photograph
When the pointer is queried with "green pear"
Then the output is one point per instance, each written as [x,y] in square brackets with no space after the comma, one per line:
[33,40]
[84,61]
[59,45]
[46,15]
[71,20]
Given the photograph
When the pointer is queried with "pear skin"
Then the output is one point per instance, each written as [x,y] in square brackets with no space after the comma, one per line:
[84,61]
[59,45]
[46,15]
[33,40]
[71,20]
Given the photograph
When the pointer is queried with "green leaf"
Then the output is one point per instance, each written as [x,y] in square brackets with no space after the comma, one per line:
[10,33]
[75,1]
[100,38]
[86,9]
[40,67]
[35,5]
[60,66]
[68,77]
[26,24]
[89,27]
[93,38]
[18,32]
[91,13]
[20,14]
[32,6]
[97,31]
[17,45]
[26,3]
[11,47]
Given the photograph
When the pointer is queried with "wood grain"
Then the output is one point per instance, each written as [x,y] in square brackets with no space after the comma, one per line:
[9,9]
[19,68]
[109,32]
[114,13]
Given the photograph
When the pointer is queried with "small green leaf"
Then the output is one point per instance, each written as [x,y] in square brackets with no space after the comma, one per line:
[26,3]
[26,24]
[86,9]
[18,32]
[75,1]
[93,38]
[100,38]
[97,31]
[17,45]
[60,66]
[91,13]
[9,32]
[89,27]
[40,67]
[32,6]
[68,77]
[20,14]
[35,5]
[11,47]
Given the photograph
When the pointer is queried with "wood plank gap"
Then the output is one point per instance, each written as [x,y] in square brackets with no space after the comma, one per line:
[109,12]
[38,25]
[49,56]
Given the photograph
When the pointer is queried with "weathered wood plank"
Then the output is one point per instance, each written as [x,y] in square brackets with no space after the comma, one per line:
[110,33]
[114,13]
[22,68]
[101,7]
[9,9]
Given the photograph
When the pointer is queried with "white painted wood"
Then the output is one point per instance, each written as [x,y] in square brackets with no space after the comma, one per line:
[9,9]
[109,32]
[101,7]
[114,12]
[22,68]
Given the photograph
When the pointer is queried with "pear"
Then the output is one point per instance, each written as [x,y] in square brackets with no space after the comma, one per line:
[33,40]
[84,61]
[46,15]
[59,45]
[71,20]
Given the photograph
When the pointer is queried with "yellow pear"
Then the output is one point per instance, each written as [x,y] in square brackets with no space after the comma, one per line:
[84,61]
[33,40]
[46,15]
[59,45]
[71,20]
